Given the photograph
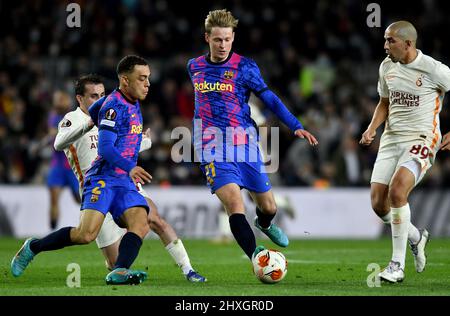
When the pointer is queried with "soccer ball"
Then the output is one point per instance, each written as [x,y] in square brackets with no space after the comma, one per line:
[270,266]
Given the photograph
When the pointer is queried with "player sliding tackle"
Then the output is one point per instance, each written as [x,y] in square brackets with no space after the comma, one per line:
[110,183]
[223,81]
[411,86]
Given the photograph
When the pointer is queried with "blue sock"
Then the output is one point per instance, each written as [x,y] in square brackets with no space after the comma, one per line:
[243,233]
[56,240]
[264,220]
[128,250]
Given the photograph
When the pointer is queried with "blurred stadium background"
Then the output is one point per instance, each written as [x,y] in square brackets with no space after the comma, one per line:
[320,57]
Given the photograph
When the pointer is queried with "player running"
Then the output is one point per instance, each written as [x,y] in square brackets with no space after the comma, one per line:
[223,81]
[411,86]
[110,184]
[110,234]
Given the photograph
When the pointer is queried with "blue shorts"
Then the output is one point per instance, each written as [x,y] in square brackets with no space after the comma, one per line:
[61,177]
[248,175]
[109,194]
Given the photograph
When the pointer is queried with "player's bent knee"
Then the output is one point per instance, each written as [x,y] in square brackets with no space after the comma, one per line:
[141,229]
[86,238]
[269,207]
[397,196]
[380,207]
[380,202]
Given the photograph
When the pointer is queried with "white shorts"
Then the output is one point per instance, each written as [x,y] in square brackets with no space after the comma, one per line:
[110,232]
[392,155]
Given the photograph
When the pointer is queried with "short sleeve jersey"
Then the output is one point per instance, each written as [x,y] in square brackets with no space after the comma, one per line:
[416,92]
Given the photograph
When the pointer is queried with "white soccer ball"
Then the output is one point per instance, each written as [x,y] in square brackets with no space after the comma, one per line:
[270,266]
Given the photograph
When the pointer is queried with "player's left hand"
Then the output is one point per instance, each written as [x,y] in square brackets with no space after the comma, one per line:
[445,144]
[301,133]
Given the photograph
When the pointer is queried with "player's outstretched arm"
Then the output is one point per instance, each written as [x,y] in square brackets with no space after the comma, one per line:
[274,103]
[69,130]
[445,144]
[379,116]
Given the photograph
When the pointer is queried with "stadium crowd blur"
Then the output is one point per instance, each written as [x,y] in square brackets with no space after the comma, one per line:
[320,57]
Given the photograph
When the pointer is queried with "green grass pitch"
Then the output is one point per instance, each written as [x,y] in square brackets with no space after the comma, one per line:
[316,267]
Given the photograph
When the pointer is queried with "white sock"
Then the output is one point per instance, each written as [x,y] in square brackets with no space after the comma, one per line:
[179,255]
[401,217]
[413,232]
[387,219]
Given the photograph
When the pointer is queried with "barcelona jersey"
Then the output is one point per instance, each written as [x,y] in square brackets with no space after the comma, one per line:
[222,91]
[124,118]
[107,188]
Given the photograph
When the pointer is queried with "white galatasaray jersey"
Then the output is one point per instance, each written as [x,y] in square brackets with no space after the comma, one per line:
[78,142]
[416,92]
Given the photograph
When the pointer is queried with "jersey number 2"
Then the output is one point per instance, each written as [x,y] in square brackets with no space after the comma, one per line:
[96,190]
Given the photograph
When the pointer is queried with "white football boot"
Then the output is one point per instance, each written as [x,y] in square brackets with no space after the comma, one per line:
[392,273]
[418,250]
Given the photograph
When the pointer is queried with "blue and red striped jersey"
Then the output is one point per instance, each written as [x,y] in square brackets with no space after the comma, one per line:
[124,118]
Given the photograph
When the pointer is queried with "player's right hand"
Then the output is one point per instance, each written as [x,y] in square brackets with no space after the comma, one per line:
[367,137]
[139,175]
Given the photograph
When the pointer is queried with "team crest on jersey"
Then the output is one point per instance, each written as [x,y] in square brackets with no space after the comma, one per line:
[228,74]
[110,114]
[94,198]
[66,123]
[419,81]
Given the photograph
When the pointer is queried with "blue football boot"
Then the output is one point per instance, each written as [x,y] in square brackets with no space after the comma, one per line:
[123,276]
[22,258]
[194,277]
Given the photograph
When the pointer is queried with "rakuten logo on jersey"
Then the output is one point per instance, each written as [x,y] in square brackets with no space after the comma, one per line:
[136,129]
[211,87]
